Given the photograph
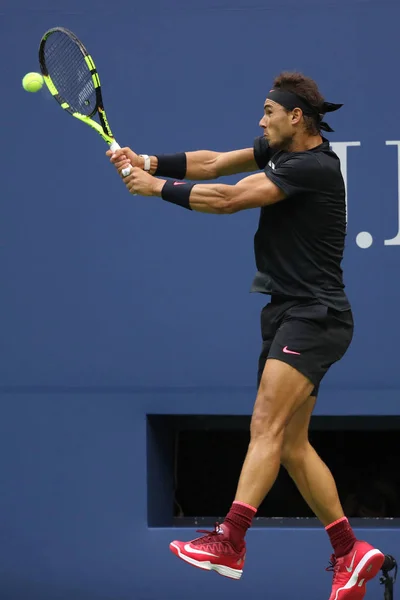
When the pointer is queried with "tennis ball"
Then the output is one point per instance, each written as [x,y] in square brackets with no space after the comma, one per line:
[32,82]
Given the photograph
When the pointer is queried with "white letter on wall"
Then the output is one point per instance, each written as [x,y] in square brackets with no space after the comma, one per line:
[396,240]
[340,148]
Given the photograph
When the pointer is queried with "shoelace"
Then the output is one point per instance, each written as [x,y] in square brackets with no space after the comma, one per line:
[333,565]
[210,536]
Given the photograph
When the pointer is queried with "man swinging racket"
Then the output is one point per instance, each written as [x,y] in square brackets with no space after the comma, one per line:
[306,327]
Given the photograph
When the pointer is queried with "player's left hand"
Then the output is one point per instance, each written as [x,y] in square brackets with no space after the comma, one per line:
[142,183]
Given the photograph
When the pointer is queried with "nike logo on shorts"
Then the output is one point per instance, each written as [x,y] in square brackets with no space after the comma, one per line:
[287,351]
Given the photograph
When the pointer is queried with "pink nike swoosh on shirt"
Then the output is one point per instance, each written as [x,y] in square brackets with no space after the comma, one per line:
[287,351]
[179,182]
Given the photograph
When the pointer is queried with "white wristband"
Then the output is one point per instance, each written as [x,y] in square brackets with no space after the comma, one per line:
[146,161]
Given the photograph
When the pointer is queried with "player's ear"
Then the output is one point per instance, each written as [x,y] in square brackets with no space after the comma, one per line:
[297,113]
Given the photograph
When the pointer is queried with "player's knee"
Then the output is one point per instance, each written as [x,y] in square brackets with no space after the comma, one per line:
[266,422]
[292,455]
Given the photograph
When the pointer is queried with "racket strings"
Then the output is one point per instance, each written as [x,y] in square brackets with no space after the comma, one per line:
[69,72]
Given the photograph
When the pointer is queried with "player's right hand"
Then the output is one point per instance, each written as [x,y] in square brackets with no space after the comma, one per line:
[124,157]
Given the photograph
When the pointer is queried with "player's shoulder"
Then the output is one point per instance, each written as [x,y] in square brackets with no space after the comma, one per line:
[320,159]
[299,165]
[306,157]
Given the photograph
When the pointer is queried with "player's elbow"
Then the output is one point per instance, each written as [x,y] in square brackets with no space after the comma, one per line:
[210,167]
[230,208]
[232,201]
[226,204]
[220,207]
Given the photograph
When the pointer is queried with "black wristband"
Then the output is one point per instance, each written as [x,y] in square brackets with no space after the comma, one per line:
[177,193]
[171,165]
[262,152]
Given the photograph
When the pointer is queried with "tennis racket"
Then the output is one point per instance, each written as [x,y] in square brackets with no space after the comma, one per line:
[71,77]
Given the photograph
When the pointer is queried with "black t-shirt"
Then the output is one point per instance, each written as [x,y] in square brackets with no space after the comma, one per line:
[300,240]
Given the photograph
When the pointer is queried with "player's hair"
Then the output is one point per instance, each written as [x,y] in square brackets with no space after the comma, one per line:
[303,86]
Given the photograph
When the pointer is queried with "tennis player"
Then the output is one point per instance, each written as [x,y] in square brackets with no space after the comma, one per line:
[306,327]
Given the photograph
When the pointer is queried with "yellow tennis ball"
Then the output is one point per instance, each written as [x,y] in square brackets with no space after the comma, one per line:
[32,82]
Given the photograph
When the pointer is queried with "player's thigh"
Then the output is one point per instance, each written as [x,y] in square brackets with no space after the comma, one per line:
[270,320]
[311,338]
[282,391]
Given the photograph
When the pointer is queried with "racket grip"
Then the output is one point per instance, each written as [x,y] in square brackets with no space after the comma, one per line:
[115,146]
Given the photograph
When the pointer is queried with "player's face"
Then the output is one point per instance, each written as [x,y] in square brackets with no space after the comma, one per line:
[276,125]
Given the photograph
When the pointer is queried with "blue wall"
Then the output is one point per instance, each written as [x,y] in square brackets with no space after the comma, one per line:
[114,307]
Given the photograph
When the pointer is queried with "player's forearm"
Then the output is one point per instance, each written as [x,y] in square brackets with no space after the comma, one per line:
[218,199]
[202,165]
[253,191]
[211,165]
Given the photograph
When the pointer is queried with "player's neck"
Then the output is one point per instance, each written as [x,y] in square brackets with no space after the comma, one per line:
[303,142]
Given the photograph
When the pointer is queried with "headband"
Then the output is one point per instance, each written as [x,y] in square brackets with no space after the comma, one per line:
[290,101]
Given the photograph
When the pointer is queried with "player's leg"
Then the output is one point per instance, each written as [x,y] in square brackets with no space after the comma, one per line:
[310,474]
[354,562]
[301,342]
[314,480]
[303,347]
[282,391]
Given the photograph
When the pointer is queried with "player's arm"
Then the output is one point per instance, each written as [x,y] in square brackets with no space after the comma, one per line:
[254,191]
[200,165]
[205,164]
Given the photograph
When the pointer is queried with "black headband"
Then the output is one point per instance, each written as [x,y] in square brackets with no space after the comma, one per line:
[290,101]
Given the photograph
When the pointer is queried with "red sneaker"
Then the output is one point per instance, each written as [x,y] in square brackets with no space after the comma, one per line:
[351,572]
[212,552]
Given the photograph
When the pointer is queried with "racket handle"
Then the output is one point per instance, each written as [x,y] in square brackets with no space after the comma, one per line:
[113,147]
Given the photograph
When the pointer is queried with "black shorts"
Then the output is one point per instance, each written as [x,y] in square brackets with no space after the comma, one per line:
[305,334]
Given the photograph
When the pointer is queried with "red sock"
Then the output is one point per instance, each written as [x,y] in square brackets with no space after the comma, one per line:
[342,536]
[238,520]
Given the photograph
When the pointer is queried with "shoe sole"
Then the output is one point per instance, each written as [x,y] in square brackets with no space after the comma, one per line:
[206,565]
[368,568]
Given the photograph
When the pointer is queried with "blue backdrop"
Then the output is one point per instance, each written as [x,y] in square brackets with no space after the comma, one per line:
[114,307]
